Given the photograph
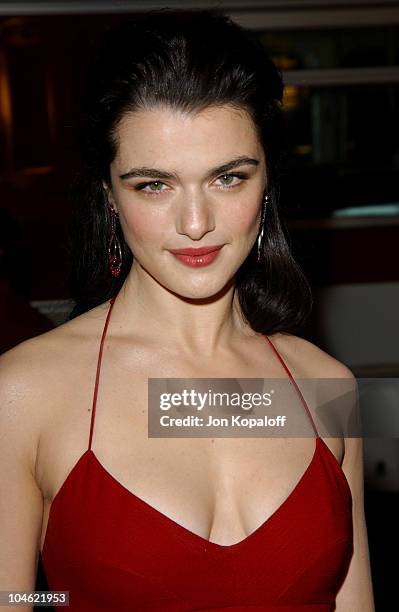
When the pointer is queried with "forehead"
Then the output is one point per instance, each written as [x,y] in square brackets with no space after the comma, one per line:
[163,132]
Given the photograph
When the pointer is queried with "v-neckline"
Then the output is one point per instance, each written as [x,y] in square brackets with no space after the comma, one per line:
[183,532]
[196,538]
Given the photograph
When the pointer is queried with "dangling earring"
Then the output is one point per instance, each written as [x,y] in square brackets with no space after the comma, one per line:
[262,226]
[114,247]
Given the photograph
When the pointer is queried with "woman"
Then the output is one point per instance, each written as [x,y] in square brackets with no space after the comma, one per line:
[183,145]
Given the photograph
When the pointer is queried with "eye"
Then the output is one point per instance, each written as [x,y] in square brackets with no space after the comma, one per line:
[230,185]
[154,188]
[156,184]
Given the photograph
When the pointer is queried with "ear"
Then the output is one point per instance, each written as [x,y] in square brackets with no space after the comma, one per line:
[109,197]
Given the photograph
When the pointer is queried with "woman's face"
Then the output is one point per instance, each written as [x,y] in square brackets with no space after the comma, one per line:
[171,192]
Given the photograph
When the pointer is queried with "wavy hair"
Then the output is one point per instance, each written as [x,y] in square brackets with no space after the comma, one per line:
[188,60]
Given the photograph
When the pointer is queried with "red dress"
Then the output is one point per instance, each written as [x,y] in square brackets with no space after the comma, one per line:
[113,551]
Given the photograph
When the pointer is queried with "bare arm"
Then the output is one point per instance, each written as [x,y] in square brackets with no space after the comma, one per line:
[21,502]
[356,593]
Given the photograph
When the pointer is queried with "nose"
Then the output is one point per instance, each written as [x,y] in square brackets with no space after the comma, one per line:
[195,217]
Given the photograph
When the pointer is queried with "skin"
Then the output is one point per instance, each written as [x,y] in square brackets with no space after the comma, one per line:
[191,211]
[168,321]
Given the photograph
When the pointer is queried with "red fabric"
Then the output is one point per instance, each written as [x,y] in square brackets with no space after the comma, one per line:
[113,551]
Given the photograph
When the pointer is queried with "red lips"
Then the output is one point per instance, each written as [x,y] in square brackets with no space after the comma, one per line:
[194,252]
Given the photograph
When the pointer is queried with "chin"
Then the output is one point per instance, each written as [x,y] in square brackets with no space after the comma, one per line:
[199,290]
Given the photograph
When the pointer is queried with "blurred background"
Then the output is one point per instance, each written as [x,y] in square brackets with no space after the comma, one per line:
[339,194]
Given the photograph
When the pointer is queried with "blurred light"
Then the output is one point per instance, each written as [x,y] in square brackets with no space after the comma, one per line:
[373,210]
[304,149]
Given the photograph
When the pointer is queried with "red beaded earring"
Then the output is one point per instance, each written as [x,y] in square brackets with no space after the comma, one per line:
[114,247]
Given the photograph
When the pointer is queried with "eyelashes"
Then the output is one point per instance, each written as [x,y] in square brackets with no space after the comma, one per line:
[142,186]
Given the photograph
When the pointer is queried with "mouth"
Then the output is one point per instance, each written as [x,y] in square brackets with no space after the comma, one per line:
[198,251]
[197,258]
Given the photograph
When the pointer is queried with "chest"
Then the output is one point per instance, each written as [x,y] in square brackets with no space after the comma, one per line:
[219,488]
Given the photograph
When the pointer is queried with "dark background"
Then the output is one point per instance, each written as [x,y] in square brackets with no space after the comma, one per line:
[344,143]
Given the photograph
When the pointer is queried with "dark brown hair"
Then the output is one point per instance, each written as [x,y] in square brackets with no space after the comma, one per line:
[189,60]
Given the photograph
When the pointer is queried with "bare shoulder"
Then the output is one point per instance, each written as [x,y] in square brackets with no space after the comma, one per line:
[38,372]
[27,363]
[308,360]
[40,352]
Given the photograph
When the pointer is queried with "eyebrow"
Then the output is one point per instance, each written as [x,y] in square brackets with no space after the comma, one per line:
[158,173]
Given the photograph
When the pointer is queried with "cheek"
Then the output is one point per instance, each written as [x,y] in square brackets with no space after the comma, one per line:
[141,224]
[243,218]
